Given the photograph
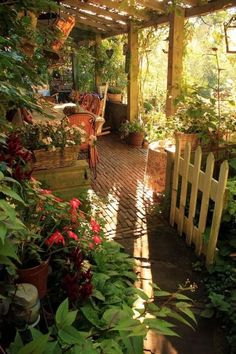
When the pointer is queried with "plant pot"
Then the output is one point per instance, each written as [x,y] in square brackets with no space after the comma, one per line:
[36,276]
[114,97]
[187,138]
[135,139]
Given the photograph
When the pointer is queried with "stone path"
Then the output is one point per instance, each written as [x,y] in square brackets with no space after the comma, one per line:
[133,221]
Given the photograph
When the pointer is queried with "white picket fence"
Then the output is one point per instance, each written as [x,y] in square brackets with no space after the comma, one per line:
[210,188]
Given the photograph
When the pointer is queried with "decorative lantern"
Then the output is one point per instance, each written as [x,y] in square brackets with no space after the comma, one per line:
[230,35]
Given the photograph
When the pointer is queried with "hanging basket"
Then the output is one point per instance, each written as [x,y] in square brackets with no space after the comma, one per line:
[57,158]
[65,27]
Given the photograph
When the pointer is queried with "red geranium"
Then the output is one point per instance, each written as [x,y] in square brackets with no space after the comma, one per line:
[56,238]
[97,240]
[75,203]
[95,226]
[71,234]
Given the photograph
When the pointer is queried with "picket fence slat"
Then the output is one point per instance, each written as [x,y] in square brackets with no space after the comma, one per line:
[175,184]
[217,212]
[205,201]
[193,197]
[184,187]
[211,190]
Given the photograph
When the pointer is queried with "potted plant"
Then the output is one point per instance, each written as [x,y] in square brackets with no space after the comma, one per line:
[195,117]
[54,143]
[114,94]
[133,131]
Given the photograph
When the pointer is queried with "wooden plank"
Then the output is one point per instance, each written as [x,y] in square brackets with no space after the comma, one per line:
[175,59]
[210,7]
[96,18]
[205,201]
[175,184]
[117,5]
[193,196]
[133,87]
[153,4]
[97,10]
[184,188]
[216,220]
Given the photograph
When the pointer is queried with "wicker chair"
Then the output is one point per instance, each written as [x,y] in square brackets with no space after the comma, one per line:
[87,122]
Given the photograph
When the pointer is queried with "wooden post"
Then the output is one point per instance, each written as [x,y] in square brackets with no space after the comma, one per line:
[175,56]
[133,86]
[98,79]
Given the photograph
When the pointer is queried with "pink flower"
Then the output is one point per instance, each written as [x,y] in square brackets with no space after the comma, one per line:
[56,237]
[74,203]
[97,240]
[71,234]
[46,191]
[95,226]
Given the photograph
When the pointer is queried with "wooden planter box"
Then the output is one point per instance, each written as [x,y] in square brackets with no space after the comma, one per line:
[58,158]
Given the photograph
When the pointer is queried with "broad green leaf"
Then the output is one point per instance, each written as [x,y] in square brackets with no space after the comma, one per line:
[8,249]
[5,260]
[181,297]
[16,345]
[85,348]
[183,307]
[70,335]
[110,346]
[180,318]
[10,193]
[98,295]
[3,231]
[37,346]
[91,315]
[61,313]
[113,315]
[141,294]
[134,345]
[1,176]
[160,293]
[162,327]
[127,324]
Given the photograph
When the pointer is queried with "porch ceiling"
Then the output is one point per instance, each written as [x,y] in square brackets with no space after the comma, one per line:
[112,17]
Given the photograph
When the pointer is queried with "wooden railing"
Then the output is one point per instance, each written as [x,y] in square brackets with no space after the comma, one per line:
[211,190]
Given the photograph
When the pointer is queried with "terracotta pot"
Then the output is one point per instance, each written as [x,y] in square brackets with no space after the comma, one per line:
[36,276]
[135,139]
[187,138]
[114,97]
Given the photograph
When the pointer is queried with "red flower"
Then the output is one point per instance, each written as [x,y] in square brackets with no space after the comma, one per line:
[56,237]
[97,240]
[74,203]
[71,234]
[95,226]
[86,290]
[46,191]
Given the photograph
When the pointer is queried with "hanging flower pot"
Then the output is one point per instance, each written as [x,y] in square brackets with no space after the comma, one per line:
[64,26]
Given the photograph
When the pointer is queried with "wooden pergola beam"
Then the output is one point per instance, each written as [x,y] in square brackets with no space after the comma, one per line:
[97,10]
[175,59]
[131,11]
[153,4]
[133,87]
[94,18]
[209,7]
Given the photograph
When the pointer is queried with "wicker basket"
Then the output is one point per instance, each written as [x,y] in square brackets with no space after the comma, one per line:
[57,158]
